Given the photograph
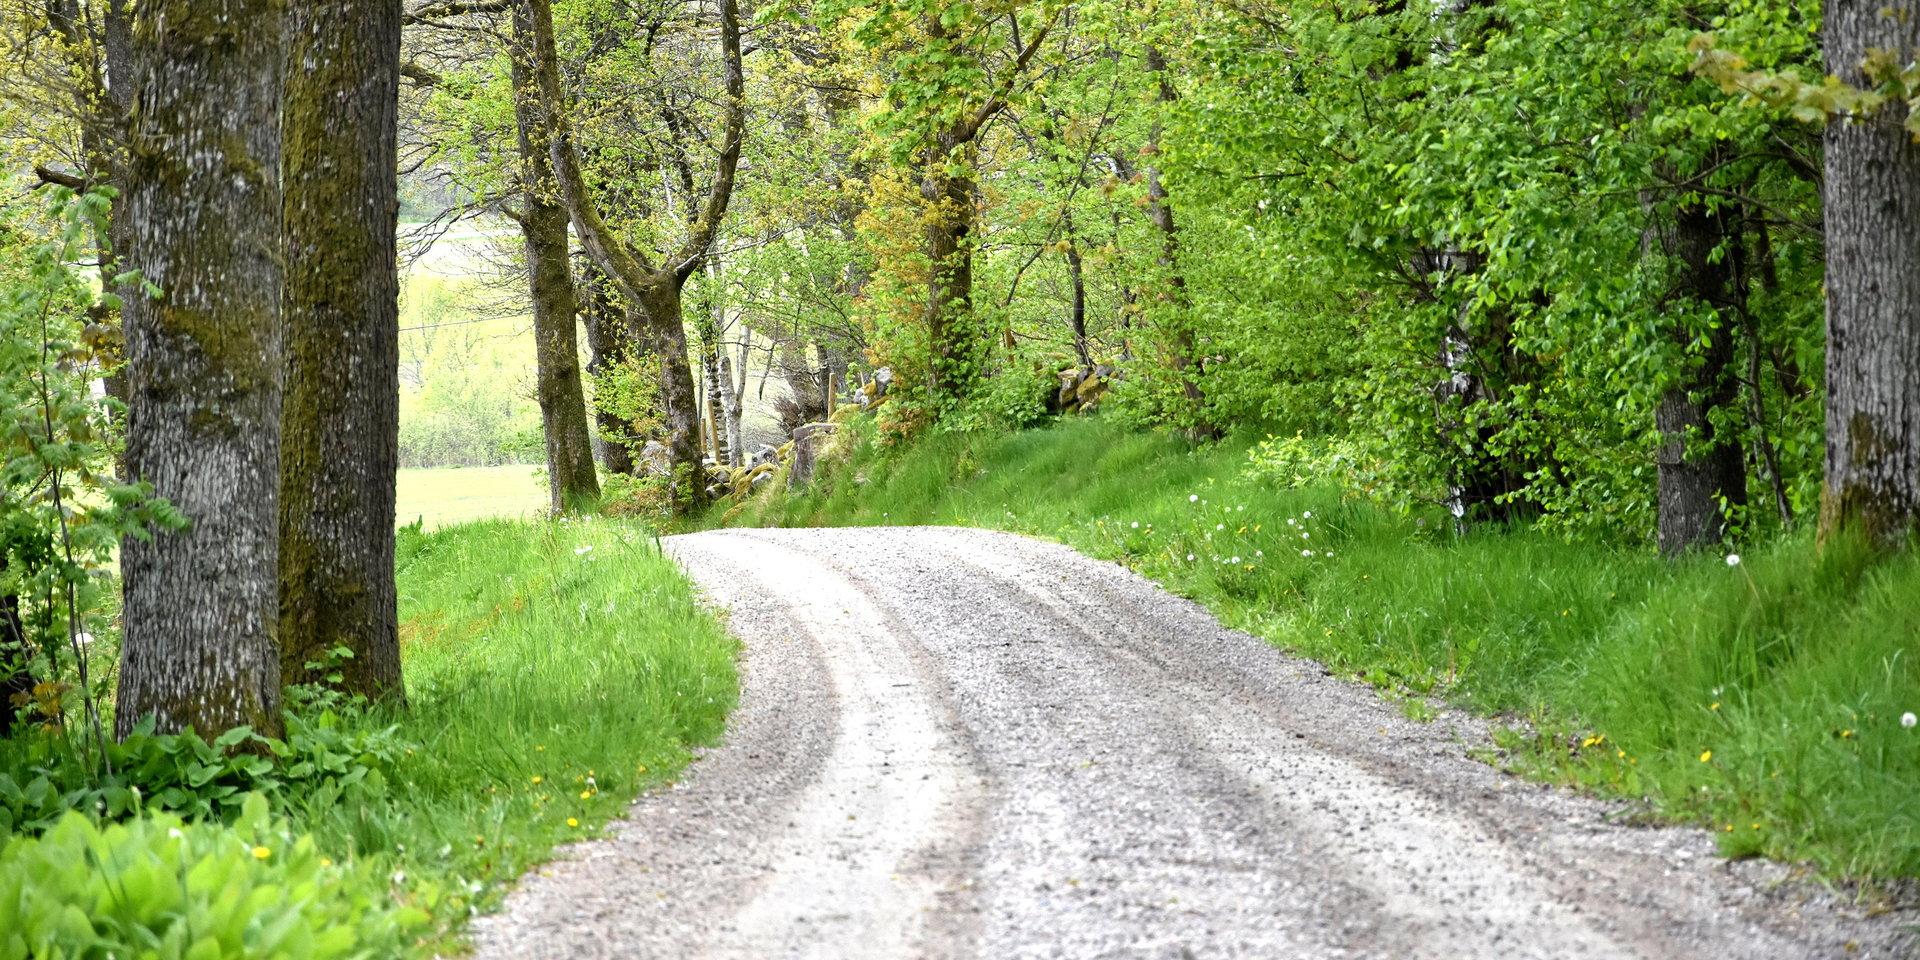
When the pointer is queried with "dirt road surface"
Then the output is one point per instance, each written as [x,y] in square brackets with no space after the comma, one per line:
[961,743]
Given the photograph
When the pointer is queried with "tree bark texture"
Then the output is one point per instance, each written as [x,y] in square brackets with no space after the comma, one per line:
[204,355]
[606,324]
[571,481]
[1699,467]
[954,362]
[1872,200]
[339,445]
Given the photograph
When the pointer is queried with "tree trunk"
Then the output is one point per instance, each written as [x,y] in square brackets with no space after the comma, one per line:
[340,426]
[1185,358]
[730,413]
[660,309]
[607,348]
[953,364]
[651,292]
[1699,467]
[1872,198]
[203,205]
[572,484]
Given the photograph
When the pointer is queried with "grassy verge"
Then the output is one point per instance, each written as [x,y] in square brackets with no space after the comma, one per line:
[1764,699]
[553,671]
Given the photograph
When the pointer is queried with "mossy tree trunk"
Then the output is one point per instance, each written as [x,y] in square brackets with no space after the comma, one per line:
[572,483]
[204,360]
[1700,466]
[652,291]
[607,348]
[1872,199]
[339,430]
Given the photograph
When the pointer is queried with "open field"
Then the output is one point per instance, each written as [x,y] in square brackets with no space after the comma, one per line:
[443,496]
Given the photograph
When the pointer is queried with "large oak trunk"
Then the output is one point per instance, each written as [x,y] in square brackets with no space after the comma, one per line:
[1872,196]
[339,431]
[203,211]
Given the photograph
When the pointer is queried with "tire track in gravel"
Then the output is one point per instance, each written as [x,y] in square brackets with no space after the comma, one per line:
[961,743]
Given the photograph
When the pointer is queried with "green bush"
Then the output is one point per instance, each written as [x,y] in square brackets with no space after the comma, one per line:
[157,886]
[187,775]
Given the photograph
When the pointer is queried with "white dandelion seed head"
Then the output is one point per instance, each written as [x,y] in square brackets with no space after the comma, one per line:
[1193,498]
[1234,560]
[1733,559]
[1189,558]
[1219,526]
[1306,553]
[1136,524]
[1307,514]
[1908,720]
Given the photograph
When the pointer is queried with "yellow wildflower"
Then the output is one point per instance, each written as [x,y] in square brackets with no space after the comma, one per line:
[261,853]
[572,822]
[1706,756]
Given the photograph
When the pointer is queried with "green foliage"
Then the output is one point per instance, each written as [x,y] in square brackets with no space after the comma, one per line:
[157,886]
[62,513]
[1791,668]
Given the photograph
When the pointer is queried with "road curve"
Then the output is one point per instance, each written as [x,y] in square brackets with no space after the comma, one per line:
[962,743]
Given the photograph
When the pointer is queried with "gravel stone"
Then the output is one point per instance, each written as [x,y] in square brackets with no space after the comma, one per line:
[964,743]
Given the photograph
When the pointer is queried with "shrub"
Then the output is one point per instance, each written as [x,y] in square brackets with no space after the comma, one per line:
[156,886]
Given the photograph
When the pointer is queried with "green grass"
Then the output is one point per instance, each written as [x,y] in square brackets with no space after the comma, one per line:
[553,671]
[443,496]
[1618,671]
[571,652]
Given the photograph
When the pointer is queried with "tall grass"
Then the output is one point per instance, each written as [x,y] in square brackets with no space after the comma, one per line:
[553,670]
[1764,698]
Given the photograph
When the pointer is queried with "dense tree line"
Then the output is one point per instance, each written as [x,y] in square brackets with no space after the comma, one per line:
[1634,270]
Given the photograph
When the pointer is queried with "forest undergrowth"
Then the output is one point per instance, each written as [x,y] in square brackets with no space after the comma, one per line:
[554,670]
[1767,694]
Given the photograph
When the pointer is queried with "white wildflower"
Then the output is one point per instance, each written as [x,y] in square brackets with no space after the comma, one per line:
[1136,524]
[1193,498]
[1306,553]
[1189,558]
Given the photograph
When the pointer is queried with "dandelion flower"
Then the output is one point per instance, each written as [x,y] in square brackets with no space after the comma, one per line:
[539,779]
[1706,756]
[261,853]
[1733,559]
[1908,720]
[586,794]
[572,822]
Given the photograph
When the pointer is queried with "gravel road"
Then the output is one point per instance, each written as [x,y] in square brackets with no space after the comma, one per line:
[961,743]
